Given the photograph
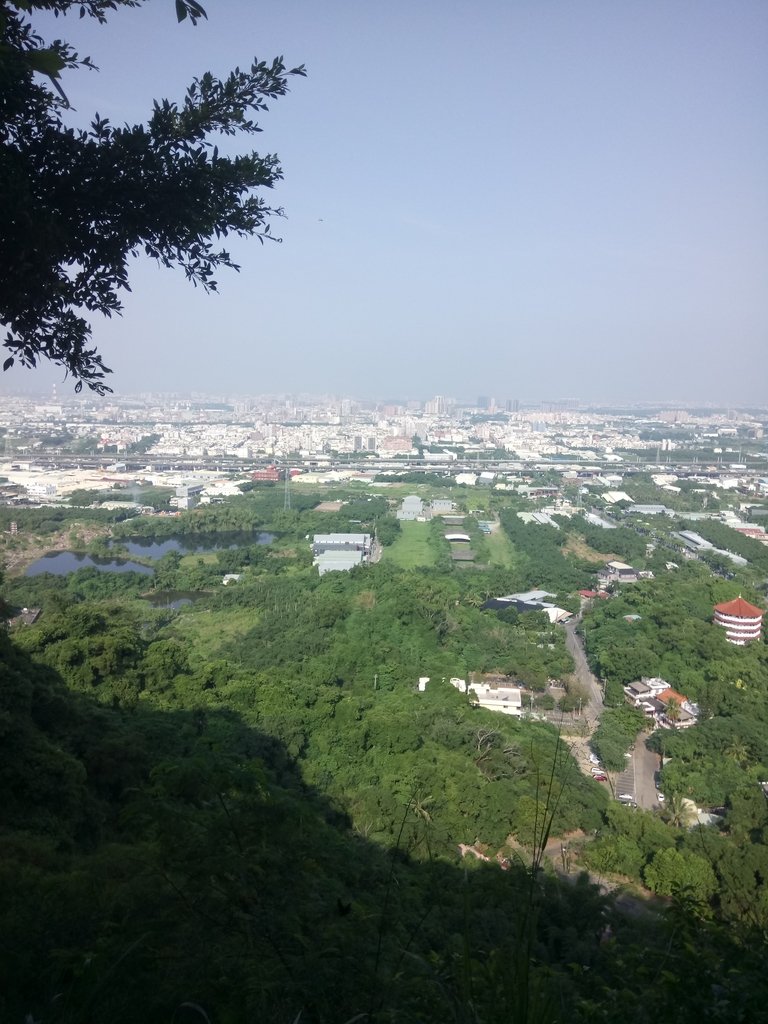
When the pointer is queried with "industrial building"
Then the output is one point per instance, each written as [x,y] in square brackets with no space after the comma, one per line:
[530,601]
[188,495]
[340,552]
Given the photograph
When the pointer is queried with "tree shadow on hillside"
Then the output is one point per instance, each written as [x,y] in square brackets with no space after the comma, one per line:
[173,865]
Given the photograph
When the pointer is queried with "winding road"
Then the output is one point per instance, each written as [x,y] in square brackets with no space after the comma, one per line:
[638,780]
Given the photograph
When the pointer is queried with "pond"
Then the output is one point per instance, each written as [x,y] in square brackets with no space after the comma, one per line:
[200,544]
[59,563]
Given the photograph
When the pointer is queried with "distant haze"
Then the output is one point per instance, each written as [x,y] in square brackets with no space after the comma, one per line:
[513,199]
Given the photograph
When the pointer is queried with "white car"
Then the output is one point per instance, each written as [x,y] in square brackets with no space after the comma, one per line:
[594,759]
[660,797]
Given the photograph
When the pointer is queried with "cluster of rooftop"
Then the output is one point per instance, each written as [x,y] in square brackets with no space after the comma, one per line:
[413,507]
[668,708]
[282,425]
[530,601]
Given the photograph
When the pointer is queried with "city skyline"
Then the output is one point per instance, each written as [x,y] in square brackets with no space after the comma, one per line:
[59,393]
[56,393]
[562,201]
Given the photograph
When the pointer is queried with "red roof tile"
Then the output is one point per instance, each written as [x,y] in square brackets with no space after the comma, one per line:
[667,695]
[740,608]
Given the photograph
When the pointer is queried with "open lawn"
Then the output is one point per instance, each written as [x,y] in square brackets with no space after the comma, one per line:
[412,547]
[500,548]
[187,561]
[205,631]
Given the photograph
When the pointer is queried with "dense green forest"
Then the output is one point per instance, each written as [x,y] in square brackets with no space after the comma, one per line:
[671,635]
[724,537]
[245,809]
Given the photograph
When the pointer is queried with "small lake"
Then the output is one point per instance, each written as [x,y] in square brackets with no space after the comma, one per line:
[199,544]
[59,563]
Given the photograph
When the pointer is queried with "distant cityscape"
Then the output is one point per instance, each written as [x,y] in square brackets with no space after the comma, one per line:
[53,445]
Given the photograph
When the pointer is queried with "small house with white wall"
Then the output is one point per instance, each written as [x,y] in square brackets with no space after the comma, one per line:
[412,508]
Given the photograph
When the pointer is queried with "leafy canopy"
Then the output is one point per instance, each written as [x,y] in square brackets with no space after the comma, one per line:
[77,204]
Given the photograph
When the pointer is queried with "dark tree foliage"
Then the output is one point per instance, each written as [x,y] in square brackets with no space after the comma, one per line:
[543,561]
[616,732]
[78,204]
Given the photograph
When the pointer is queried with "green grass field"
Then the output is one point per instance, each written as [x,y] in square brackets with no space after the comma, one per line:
[208,631]
[500,549]
[412,547]
[187,561]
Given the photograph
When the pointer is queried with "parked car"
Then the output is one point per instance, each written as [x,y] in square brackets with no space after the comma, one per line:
[600,777]
[594,759]
[660,797]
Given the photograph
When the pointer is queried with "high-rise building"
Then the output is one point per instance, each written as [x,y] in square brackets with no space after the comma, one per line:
[483,402]
[436,406]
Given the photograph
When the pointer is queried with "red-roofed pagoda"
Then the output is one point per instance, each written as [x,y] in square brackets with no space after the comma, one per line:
[742,621]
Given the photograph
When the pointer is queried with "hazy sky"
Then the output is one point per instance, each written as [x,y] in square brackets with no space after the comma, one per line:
[528,198]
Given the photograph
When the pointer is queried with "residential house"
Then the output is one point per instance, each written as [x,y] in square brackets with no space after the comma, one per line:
[617,572]
[440,506]
[667,707]
[494,695]
[412,508]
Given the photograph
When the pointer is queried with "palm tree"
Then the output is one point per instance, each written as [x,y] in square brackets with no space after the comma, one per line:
[678,811]
[673,710]
[739,752]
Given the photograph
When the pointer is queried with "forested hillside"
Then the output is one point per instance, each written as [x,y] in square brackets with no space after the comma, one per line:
[244,808]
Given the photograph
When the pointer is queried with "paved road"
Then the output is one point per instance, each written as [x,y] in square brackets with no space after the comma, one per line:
[586,680]
[55,458]
[638,778]
[646,765]
[579,745]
